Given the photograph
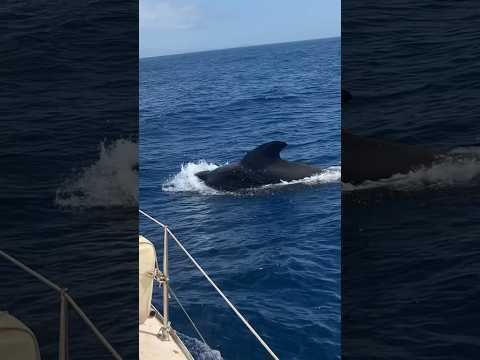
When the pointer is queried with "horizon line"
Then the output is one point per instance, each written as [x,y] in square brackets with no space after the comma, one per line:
[238,47]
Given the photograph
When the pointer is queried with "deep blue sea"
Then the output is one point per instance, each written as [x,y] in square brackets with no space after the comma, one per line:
[274,251]
[410,244]
[68,104]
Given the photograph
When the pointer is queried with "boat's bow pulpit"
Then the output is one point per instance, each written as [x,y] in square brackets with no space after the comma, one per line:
[157,340]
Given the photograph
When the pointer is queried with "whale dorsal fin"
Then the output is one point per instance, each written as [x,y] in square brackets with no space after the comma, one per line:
[263,155]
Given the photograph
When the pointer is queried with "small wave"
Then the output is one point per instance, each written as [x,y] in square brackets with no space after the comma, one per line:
[329,175]
[469,150]
[262,99]
[187,181]
[200,350]
[459,168]
[112,181]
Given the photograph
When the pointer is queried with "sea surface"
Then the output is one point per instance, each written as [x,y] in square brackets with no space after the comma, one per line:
[275,251]
[410,244]
[69,108]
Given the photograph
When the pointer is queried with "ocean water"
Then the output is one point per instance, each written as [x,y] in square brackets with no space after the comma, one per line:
[410,243]
[69,193]
[275,251]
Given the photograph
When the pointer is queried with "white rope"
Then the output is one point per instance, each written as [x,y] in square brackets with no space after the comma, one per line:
[197,265]
[72,302]
[151,218]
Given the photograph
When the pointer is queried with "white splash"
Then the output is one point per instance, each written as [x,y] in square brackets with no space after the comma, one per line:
[460,168]
[112,181]
[187,181]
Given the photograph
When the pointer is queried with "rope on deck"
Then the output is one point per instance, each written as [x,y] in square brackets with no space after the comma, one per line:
[229,303]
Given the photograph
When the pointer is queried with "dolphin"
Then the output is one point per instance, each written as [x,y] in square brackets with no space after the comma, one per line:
[260,166]
[365,158]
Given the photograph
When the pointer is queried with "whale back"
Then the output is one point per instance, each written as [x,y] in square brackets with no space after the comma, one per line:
[263,155]
[365,158]
[260,166]
[229,177]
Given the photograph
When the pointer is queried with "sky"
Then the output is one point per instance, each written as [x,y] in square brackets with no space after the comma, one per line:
[182,26]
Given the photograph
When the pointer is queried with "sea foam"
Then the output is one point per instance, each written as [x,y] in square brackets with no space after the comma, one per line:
[111,181]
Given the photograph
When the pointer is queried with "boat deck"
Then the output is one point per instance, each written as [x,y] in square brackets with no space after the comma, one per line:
[151,347]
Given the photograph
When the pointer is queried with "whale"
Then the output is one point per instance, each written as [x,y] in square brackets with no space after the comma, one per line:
[366,158]
[346,96]
[260,166]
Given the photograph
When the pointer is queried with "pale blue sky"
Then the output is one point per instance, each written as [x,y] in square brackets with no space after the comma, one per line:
[179,26]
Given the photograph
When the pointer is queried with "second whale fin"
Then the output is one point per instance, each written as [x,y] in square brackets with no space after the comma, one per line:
[263,155]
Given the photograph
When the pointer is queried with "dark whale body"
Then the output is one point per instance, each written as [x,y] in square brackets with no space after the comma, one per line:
[346,96]
[365,158]
[261,166]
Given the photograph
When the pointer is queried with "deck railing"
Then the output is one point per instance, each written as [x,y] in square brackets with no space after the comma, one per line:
[66,302]
[167,233]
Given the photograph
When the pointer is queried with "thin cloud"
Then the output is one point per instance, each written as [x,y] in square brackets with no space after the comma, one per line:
[167,15]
